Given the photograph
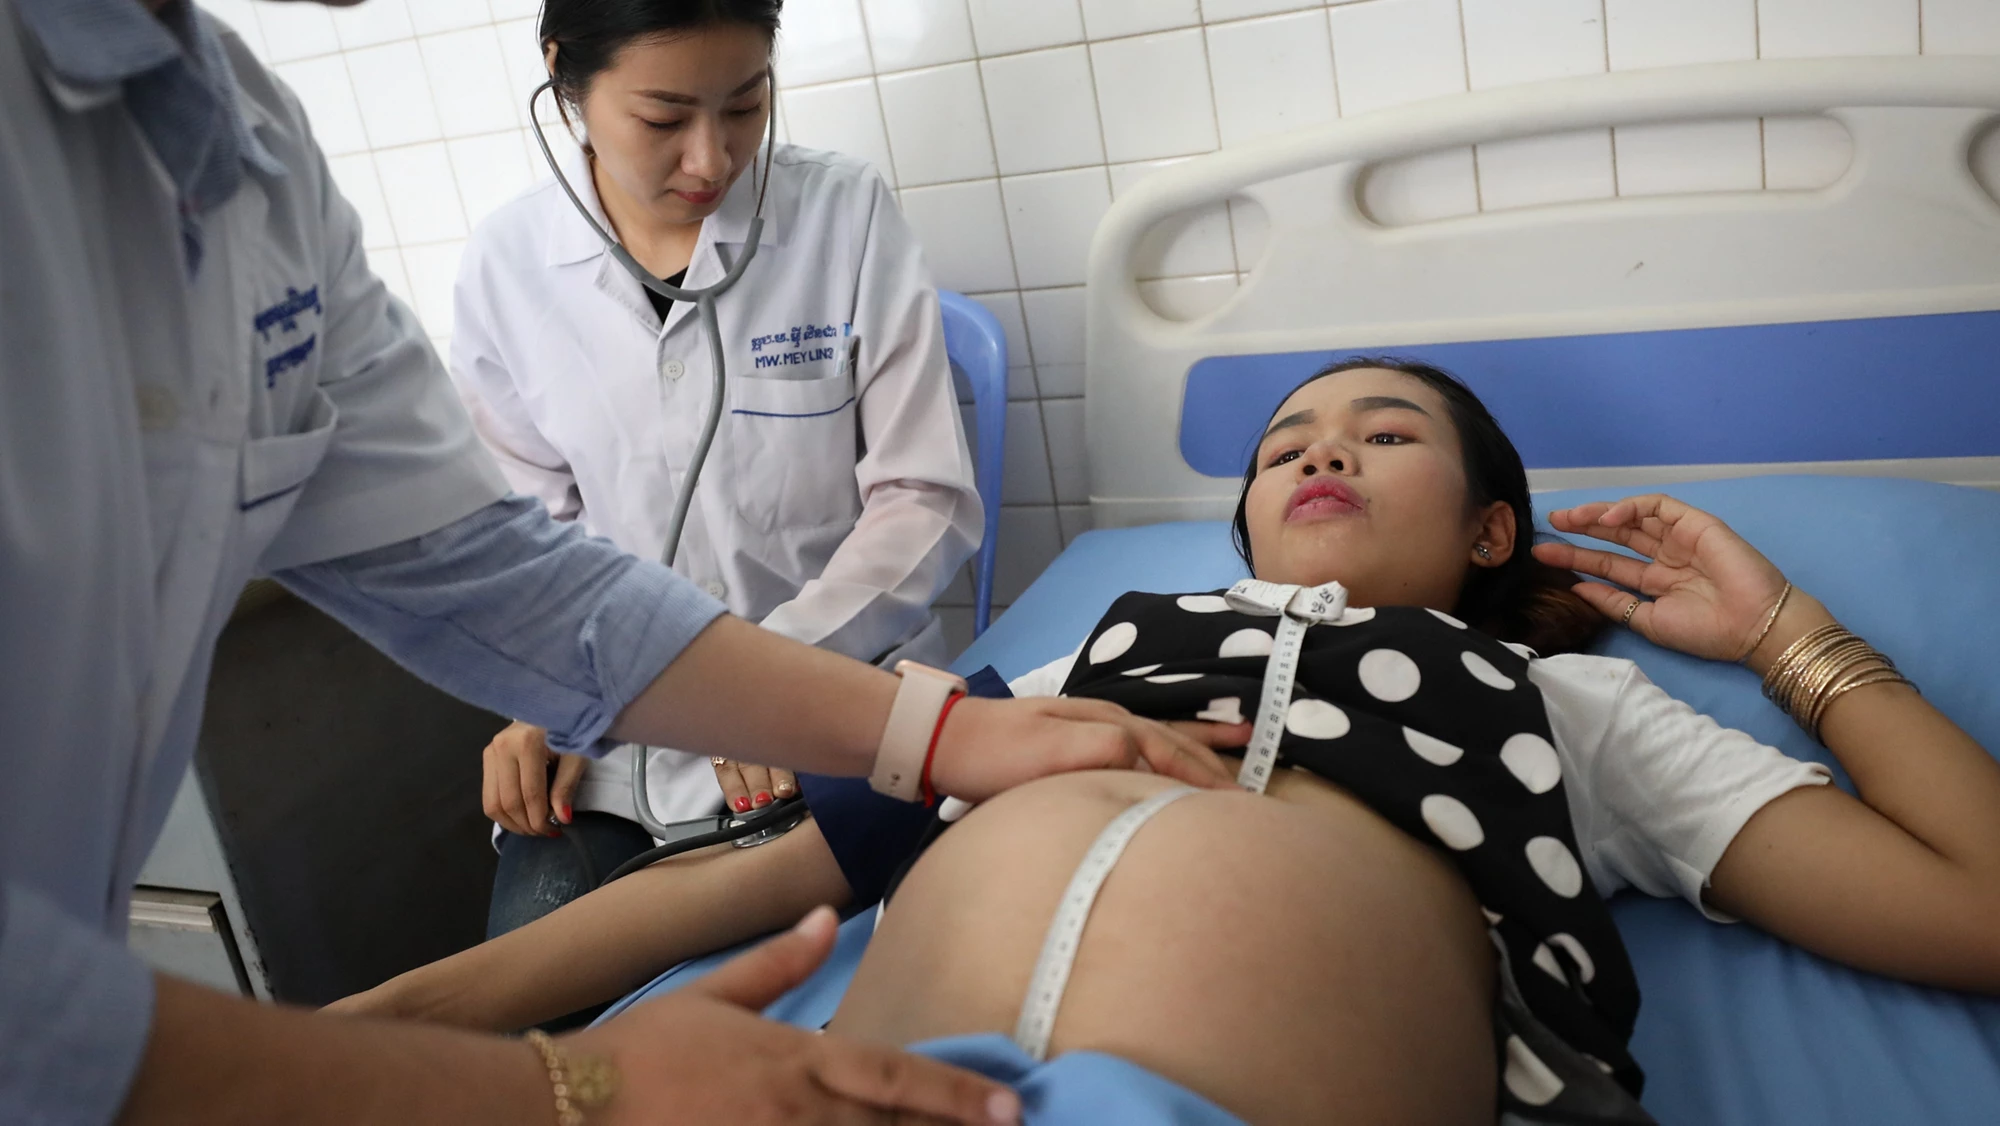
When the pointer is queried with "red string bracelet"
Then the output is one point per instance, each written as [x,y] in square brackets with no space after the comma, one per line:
[924,780]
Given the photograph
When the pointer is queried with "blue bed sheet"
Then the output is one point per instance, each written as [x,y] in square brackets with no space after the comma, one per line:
[1737,1028]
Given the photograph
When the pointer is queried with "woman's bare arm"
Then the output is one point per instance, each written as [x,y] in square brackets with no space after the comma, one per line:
[1904,881]
[1906,884]
[605,944]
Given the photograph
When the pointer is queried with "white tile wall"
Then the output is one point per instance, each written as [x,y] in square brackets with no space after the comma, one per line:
[369,24]
[328,93]
[1648,33]
[1063,421]
[822,41]
[1008,126]
[468,80]
[1001,27]
[1050,217]
[1271,75]
[842,116]
[964,232]
[394,93]
[296,31]
[1153,93]
[1387,52]
[1043,107]
[1108,19]
[915,33]
[1794,29]
[1027,479]
[1952,27]
[448,15]
[937,125]
[422,193]
[492,169]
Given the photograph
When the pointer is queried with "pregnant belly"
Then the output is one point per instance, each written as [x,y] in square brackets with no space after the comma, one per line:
[1293,957]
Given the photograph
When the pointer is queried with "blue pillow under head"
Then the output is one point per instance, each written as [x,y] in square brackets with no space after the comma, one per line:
[1737,1027]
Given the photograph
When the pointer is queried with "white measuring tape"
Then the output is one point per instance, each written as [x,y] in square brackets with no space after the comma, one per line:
[1045,988]
[1296,608]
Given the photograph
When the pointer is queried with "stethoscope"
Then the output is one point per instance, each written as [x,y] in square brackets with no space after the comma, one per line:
[763,825]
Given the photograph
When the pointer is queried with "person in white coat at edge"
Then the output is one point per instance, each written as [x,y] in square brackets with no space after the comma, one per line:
[838,498]
[200,379]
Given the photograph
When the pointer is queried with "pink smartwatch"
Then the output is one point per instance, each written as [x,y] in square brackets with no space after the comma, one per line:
[911,733]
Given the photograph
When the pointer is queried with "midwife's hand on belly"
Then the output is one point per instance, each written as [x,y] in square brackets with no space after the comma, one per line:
[702,1054]
[991,745]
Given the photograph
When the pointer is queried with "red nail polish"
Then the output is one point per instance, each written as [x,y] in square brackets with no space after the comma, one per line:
[763,798]
[741,805]
[567,815]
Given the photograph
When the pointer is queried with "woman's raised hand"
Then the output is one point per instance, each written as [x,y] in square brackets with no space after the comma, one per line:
[1709,590]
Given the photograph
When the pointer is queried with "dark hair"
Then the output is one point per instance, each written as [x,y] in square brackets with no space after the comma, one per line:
[588,34]
[1523,600]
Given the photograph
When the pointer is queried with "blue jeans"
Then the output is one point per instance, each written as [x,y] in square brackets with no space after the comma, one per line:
[539,874]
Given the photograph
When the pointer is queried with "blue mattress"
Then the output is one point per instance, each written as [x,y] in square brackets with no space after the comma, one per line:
[1737,1028]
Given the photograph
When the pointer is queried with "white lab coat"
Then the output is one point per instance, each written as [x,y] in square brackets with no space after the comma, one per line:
[838,498]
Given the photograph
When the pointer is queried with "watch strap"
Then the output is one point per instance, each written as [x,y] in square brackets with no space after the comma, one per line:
[913,722]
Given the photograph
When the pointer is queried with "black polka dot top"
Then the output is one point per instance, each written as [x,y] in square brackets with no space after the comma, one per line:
[1436,727]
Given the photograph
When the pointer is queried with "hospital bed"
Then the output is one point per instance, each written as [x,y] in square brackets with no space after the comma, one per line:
[1820,368]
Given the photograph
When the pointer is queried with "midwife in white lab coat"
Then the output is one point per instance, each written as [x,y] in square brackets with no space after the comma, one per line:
[200,380]
[838,499]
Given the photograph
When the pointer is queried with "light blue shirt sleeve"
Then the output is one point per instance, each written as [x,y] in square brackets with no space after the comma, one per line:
[518,613]
[75,1008]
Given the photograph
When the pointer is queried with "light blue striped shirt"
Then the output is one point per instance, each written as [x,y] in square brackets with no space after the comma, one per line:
[503,607]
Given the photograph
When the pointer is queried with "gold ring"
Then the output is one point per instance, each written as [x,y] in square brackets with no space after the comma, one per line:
[1629,611]
[717,760]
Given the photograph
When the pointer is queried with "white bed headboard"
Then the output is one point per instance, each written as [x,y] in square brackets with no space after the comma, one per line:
[1639,314]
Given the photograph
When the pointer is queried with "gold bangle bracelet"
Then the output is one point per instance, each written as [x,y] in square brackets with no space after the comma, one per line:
[1789,664]
[1850,655]
[1770,620]
[580,1083]
[1834,659]
[1819,668]
[1789,686]
[1807,669]
[1872,676]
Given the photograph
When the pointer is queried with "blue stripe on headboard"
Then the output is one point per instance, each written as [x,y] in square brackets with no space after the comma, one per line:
[1890,387]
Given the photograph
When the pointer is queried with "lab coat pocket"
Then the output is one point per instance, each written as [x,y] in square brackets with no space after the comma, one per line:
[793,445]
[275,470]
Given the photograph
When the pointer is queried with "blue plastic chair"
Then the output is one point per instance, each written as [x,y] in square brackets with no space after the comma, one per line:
[977,347]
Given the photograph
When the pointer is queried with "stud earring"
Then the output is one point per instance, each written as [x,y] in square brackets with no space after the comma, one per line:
[1485,552]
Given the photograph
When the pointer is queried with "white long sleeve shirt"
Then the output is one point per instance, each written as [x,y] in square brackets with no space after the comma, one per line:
[838,499]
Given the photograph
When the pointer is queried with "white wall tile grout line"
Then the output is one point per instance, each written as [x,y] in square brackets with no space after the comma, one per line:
[1611,132]
[1465,60]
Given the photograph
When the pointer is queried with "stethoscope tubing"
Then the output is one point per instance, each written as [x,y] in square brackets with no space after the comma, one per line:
[704,302]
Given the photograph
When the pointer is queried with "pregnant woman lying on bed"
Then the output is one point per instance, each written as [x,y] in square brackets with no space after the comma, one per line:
[1408,923]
